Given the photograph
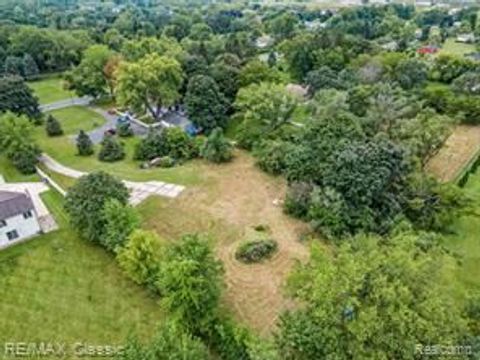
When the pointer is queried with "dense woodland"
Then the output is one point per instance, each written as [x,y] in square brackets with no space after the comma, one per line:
[352,149]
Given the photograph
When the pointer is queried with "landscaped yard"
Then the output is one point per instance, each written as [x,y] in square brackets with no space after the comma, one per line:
[63,149]
[58,288]
[50,90]
[76,118]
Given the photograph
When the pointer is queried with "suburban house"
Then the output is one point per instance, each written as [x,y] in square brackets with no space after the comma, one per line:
[18,218]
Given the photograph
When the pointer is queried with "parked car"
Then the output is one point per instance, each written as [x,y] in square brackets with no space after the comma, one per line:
[110,132]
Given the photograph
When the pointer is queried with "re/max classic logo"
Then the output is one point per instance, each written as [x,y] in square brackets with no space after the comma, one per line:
[59,350]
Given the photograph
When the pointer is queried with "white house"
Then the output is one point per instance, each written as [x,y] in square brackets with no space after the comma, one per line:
[18,218]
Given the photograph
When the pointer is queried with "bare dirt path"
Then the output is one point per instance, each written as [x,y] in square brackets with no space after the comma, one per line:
[457,152]
[238,198]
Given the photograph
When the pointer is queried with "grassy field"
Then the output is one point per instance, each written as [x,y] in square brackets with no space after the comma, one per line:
[236,199]
[50,90]
[59,288]
[451,47]
[76,118]
[466,241]
[63,149]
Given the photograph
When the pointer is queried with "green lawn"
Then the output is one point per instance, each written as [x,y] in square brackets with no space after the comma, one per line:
[76,118]
[63,149]
[11,174]
[59,288]
[50,90]
[466,240]
[451,47]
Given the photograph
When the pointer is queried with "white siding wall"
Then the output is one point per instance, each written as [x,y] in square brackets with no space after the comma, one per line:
[25,228]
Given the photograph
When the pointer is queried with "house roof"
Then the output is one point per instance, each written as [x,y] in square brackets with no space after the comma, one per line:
[14,203]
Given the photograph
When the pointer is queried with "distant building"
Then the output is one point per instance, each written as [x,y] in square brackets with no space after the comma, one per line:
[18,219]
[390,46]
[263,41]
[428,49]
[468,38]
[297,90]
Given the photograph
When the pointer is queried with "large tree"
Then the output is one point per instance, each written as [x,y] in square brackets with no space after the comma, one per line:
[263,109]
[92,76]
[17,97]
[373,298]
[86,199]
[206,105]
[149,84]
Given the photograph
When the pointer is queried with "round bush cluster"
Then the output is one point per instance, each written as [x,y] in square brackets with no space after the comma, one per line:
[256,251]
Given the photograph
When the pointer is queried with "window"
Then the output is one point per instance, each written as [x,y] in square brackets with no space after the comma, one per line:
[3,223]
[12,235]
[27,214]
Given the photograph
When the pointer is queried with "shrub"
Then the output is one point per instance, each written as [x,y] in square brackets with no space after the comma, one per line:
[150,147]
[177,143]
[120,221]
[271,156]
[297,200]
[217,148]
[140,258]
[24,158]
[166,162]
[124,130]
[84,144]
[86,199]
[111,150]
[256,251]
[53,127]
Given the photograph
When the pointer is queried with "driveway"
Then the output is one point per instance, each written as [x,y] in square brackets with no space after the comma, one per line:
[96,135]
[78,101]
[139,191]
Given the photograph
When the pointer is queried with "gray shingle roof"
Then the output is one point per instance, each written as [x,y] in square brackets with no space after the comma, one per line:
[14,203]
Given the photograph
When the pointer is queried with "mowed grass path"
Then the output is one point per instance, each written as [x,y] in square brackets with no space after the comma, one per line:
[58,287]
[63,149]
[451,47]
[50,90]
[466,240]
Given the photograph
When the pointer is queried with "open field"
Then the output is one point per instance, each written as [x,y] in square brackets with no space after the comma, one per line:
[63,149]
[60,288]
[459,149]
[465,241]
[238,198]
[50,90]
[451,47]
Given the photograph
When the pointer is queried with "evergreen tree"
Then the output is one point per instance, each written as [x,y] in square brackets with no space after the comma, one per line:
[13,66]
[30,68]
[17,97]
[206,105]
[111,150]
[53,126]
[84,144]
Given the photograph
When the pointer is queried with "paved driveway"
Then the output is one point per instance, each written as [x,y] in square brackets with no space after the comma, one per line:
[79,101]
[139,191]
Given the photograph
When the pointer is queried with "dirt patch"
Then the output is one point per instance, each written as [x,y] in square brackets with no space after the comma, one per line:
[238,198]
[457,152]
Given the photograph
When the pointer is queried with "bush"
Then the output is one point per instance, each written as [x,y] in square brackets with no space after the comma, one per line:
[271,156]
[217,149]
[173,142]
[166,162]
[256,251]
[111,150]
[297,200]
[25,158]
[124,130]
[84,144]
[53,127]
